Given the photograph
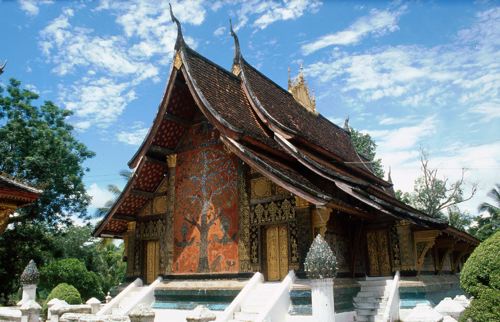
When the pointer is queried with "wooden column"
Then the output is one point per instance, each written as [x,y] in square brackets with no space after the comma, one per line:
[169,231]
[130,241]
[5,212]
[244,219]
[320,217]
[405,240]
[423,242]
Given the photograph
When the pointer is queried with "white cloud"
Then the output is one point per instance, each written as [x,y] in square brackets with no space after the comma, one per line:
[489,110]
[265,12]
[465,71]
[378,22]
[404,137]
[135,136]
[31,7]
[99,195]
[97,102]
[220,31]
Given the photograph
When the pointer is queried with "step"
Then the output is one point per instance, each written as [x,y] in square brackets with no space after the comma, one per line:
[373,288]
[364,318]
[375,283]
[375,294]
[245,316]
[252,308]
[369,305]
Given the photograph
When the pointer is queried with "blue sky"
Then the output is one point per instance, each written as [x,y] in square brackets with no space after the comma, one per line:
[412,74]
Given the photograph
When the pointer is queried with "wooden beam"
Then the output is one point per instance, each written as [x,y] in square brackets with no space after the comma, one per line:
[160,150]
[177,119]
[146,194]
[124,217]
[156,161]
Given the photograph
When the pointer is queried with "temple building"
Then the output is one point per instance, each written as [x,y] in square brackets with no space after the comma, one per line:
[14,195]
[237,175]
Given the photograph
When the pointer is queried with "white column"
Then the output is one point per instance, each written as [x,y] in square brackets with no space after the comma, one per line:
[322,300]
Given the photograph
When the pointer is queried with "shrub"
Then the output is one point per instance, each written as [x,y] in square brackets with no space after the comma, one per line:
[320,261]
[74,272]
[480,277]
[65,292]
[482,269]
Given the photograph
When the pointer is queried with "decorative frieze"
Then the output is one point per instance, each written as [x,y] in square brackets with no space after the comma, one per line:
[271,213]
[244,251]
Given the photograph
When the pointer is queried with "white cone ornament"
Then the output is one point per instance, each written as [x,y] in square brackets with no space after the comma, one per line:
[321,267]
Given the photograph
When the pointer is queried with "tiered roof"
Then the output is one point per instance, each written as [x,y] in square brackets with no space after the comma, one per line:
[268,129]
[16,193]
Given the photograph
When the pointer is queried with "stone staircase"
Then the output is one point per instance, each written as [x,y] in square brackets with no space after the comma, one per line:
[255,303]
[127,300]
[371,300]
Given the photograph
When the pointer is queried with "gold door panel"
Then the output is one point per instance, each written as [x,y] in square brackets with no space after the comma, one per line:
[378,253]
[152,260]
[277,252]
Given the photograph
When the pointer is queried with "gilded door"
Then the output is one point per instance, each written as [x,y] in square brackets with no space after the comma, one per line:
[277,252]
[152,260]
[378,253]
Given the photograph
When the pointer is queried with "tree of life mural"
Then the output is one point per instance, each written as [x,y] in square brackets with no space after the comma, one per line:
[206,211]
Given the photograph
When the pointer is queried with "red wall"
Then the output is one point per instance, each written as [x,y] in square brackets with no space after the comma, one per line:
[206,205]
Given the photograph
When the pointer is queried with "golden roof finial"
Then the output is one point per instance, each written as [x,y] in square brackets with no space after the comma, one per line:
[298,88]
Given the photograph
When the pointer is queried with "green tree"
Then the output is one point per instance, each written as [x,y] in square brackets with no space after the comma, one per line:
[433,194]
[102,211]
[366,147]
[488,223]
[73,272]
[100,256]
[37,145]
[17,246]
[458,219]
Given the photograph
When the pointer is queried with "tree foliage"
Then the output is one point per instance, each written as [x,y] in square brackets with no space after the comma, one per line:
[433,194]
[74,272]
[37,146]
[366,147]
[487,223]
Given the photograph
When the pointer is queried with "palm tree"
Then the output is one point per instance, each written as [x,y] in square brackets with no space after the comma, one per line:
[488,224]
[102,211]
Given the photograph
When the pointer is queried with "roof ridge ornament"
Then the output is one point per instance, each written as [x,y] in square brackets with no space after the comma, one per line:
[2,68]
[300,91]
[236,69]
[347,128]
[180,39]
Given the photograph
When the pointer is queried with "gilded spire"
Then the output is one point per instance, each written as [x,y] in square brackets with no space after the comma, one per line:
[300,91]
[180,39]
[237,51]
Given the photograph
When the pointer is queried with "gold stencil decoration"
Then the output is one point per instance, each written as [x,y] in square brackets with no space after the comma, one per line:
[147,209]
[160,205]
[301,203]
[177,61]
[261,188]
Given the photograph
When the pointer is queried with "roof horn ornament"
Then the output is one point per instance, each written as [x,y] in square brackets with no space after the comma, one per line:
[180,39]
[347,128]
[2,68]
[236,69]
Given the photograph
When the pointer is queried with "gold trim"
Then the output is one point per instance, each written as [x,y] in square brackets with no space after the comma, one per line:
[177,61]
